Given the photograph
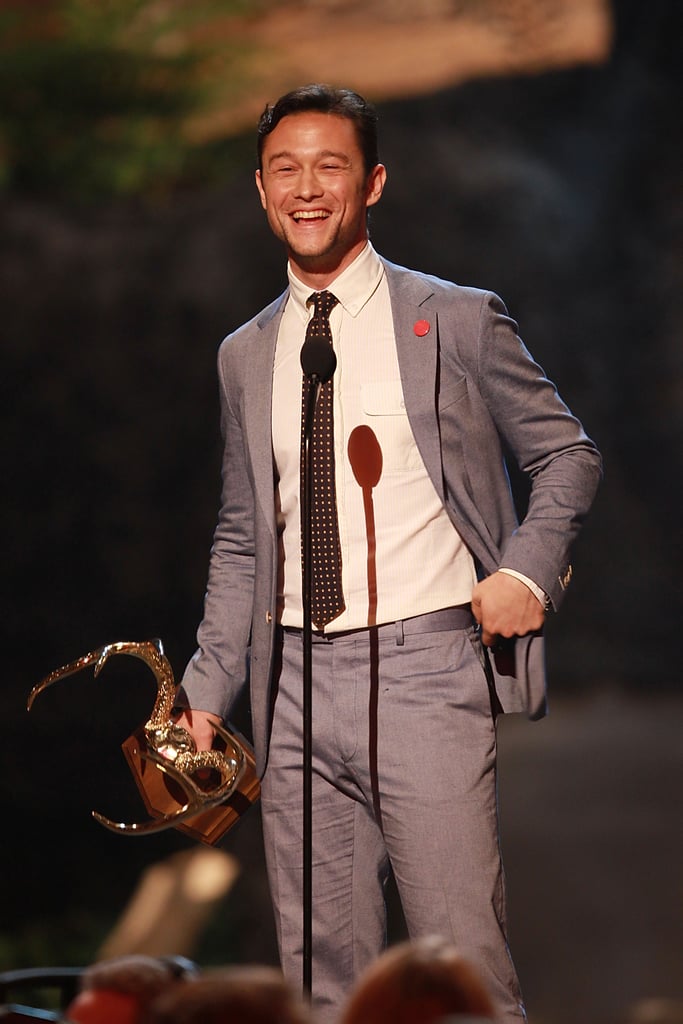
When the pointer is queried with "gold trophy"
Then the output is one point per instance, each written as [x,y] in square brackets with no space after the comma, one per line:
[201,792]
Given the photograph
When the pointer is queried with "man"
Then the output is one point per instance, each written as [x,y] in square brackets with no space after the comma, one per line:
[431,380]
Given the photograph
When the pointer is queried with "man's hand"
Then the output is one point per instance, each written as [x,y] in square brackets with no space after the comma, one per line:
[505,607]
[200,725]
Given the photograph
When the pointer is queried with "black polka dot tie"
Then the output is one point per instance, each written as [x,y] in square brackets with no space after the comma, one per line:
[327,598]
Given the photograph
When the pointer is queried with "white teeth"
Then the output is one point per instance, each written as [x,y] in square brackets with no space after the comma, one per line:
[310,215]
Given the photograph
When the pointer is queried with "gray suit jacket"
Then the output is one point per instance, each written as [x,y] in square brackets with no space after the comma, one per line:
[469,385]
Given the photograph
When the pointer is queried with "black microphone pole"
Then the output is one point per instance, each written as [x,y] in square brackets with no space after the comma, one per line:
[318,362]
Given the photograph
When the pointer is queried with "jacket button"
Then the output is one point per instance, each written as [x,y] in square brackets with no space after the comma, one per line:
[269,618]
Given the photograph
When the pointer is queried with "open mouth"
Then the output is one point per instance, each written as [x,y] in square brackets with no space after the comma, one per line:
[309,215]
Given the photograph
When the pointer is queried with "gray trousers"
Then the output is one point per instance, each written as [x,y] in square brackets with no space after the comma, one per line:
[404,779]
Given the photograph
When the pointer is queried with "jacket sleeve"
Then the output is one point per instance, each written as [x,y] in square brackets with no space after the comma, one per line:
[218,670]
[549,445]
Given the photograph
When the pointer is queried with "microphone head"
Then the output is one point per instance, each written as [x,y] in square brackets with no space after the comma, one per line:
[318,359]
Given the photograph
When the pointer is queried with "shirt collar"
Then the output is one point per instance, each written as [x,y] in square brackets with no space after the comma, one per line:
[353,288]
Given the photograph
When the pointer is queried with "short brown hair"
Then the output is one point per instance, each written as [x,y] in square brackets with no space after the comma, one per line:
[326,100]
[248,994]
[424,980]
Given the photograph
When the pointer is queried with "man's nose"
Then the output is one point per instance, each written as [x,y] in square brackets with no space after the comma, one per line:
[308,185]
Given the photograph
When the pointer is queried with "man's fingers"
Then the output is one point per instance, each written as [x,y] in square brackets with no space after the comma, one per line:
[505,607]
[200,725]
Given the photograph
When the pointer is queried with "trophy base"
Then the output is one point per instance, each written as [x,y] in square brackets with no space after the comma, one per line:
[162,795]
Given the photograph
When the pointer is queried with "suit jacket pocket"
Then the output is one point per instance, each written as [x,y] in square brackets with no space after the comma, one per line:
[452,392]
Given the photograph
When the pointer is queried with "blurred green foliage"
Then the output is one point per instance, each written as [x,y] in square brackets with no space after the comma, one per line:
[95,94]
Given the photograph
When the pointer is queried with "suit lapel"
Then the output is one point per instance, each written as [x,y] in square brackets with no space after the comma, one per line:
[418,363]
[418,357]
[258,397]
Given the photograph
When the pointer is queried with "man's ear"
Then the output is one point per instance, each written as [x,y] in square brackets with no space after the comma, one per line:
[375,184]
[261,190]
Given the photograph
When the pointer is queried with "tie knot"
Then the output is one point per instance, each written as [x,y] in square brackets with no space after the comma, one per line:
[323,303]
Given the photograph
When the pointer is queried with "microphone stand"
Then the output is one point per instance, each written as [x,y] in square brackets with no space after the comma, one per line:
[306,498]
[318,362]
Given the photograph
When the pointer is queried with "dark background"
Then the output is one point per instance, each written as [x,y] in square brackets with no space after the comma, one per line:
[561,191]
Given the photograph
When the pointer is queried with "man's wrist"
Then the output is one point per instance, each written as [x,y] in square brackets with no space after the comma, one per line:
[538,592]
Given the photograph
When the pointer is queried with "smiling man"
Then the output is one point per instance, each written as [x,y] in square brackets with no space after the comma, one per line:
[438,626]
[316,189]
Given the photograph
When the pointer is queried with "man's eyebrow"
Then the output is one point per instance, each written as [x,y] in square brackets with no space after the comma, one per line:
[324,154]
[282,155]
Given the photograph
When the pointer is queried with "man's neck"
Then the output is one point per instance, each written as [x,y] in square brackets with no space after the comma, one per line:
[318,275]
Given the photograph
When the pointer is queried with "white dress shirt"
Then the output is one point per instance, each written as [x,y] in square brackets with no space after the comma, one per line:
[420,562]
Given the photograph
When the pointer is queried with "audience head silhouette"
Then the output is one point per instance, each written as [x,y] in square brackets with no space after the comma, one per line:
[248,994]
[119,990]
[419,982]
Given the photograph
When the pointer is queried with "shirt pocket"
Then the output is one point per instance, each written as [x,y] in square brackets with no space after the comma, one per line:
[385,413]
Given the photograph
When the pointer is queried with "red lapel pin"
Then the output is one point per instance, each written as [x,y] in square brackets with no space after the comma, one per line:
[421,327]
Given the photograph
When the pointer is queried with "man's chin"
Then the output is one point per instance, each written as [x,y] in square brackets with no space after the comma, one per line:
[314,260]
[310,249]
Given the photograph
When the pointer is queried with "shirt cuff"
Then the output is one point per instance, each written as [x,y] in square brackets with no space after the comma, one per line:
[538,592]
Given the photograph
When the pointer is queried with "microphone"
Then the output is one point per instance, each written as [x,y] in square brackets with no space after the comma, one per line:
[318,359]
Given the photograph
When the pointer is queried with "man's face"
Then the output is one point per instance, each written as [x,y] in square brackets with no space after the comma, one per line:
[315,192]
